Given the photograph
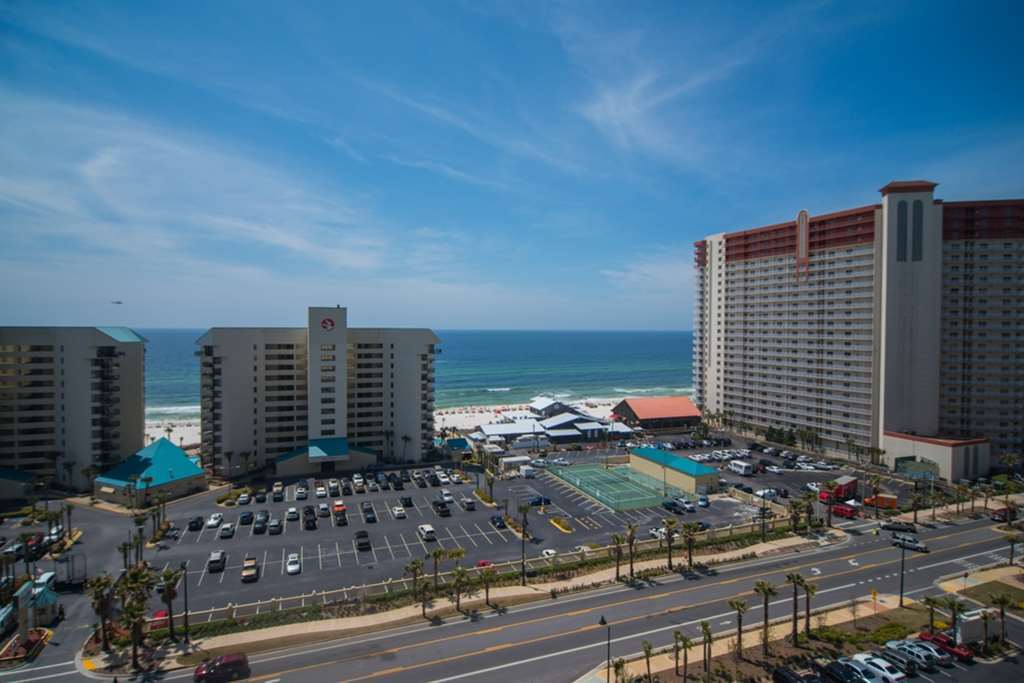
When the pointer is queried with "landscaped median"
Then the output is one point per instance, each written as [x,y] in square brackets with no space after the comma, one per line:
[457,592]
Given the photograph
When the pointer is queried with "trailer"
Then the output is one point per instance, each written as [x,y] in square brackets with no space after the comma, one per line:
[71,572]
[845,489]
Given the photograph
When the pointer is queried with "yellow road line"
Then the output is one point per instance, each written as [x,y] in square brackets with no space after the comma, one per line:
[606,606]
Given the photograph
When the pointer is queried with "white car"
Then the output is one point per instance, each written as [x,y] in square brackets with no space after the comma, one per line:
[294,564]
[215,520]
[321,492]
[548,552]
[539,462]
[456,478]
[398,511]
[562,462]
[581,549]
[301,493]
[774,469]
[443,478]
[446,496]
[244,499]
[882,668]
[373,486]
[292,514]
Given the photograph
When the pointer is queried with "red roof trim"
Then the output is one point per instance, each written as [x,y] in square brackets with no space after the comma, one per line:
[908,186]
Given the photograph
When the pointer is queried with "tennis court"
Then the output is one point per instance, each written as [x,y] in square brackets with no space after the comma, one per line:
[616,487]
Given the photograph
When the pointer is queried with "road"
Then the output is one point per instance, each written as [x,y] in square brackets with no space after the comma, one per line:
[559,640]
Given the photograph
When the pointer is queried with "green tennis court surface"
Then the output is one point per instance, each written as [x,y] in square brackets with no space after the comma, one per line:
[620,488]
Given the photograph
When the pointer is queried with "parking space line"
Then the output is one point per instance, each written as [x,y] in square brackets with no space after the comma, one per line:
[483,533]
[455,540]
[282,561]
[319,557]
[201,532]
[416,507]
[471,539]
[388,544]
[337,553]
[374,551]
[222,573]
[500,534]
[439,541]
[422,544]
[202,575]
[409,552]
[355,551]
[264,564]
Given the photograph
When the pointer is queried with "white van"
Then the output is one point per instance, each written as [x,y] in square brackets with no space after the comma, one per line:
[744,469]
[426,532]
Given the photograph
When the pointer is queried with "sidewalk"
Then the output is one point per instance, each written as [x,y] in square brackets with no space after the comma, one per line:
[949,511]
[1007,575]
[724,641]
[329,629]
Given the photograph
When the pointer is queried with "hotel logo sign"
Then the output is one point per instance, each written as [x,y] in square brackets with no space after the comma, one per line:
[327,324]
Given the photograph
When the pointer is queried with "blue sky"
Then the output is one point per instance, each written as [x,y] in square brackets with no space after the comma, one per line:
[463,164]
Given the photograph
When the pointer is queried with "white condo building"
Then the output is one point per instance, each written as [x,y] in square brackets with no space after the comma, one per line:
[890,330]
[320,398]
[71,399]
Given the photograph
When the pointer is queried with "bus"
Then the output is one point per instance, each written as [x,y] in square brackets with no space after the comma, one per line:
[744,469]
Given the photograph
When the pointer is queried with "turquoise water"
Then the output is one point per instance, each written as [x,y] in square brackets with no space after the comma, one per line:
[476,367]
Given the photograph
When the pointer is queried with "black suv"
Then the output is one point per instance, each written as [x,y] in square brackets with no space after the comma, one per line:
[246,518]
[497,521]
[406,502]
[904,527]
[441,508]
[363,540]
[310,523]
[195,524]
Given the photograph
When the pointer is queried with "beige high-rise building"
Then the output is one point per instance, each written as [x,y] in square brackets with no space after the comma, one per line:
[889,331]
[320,398]
[71,398]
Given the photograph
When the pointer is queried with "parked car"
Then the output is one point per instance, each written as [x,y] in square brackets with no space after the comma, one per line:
[840,672]
[215,520]
[398,512]
[245,518]
[901,660]
[905,527]
[363,540]
[250,569]
[292,514]
[548,552]
[946,643]
[943,658]
[294,564]
[274,527]
[244,499]
[261,496]
[195,524]
[223,668]
[703,501]
[227,531]
[540,500]
[217,561]
[301,493]
[497,521]
[886,671]
[309,524]
[259,527]
[924,659]
[323,510]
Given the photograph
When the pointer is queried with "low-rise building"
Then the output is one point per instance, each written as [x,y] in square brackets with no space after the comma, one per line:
[159,468]
[672,471]
[658,412]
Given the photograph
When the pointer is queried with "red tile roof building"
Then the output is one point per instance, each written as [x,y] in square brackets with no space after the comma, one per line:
[658,412]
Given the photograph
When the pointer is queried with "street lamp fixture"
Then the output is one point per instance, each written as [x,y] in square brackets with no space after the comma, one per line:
[608,664]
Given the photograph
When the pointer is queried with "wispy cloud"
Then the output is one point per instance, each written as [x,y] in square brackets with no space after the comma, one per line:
[448,171]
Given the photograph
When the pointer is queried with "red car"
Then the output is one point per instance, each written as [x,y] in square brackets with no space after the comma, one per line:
[947,645]
[841,510]
[223,668]
[484,563]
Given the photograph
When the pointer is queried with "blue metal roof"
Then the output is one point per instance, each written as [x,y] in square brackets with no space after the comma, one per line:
[684,465]
[122,334]
[458,444]
[161,460]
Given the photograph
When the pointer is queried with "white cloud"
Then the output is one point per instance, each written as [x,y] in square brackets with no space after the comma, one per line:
[448,171]
[660,286]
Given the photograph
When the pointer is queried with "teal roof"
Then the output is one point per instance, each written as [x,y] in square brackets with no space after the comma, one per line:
[161,460]
[122,334]
[666,459]
[44,597]
[331,447]
[457,444]
[12,474]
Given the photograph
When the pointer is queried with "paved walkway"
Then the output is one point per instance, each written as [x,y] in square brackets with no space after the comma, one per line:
[950,511]
[1008,575]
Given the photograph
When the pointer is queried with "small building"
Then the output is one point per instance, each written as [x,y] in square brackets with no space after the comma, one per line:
[680,473]
[658,412]
[951,458]
[512,462]
[457,448]
[15,484]
[547,407]
[160,467]
[324,456]
[511,430]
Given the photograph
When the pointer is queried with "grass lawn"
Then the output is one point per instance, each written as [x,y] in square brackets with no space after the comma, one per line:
[984,591]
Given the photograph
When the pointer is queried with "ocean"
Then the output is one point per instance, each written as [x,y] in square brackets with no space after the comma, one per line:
[476,367]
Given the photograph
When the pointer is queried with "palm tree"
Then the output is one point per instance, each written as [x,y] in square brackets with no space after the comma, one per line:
[677,637]
[437,554]
[620,669]
[670,532]
[459,578]
[133,618]
[631,546]
[874,481]
[986,617]
[169,582]
[618,540]
[932,604]
[741,608]
[705,631]
[101,595]
[690,531]
[795,580]
[809,590]
[487,576]
[1012,540]
[489,479]
[648,650]
[955,607]
[524,510]
[426,597]
[415,570]
[686,643]
[987,492]
[766,590]
[915,504]
[456,554]
[829,486]
[795,512]
[1002,601]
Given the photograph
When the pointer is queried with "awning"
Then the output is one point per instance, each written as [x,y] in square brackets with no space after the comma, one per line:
[106,489]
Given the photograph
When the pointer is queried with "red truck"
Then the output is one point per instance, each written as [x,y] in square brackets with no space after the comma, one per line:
[843,510]
[948,645]
[845,488]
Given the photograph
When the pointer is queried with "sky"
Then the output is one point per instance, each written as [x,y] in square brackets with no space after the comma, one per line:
[478,165]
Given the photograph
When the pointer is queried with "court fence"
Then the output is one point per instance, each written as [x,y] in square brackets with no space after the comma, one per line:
[620,488]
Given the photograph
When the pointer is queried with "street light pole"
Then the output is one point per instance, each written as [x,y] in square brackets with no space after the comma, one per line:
[903,557]
[184,579]
[608,665]
[763,504]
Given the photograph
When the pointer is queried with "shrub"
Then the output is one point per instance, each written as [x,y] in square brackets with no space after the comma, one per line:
[890,631]
[482,495]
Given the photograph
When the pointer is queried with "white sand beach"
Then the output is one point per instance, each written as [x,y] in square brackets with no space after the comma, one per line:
[184,433]
[468,418]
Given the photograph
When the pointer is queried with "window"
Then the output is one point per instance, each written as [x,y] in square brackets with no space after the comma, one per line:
[901,231]
[918,231]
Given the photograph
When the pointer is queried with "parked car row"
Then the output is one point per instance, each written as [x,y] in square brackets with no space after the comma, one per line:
[35,546]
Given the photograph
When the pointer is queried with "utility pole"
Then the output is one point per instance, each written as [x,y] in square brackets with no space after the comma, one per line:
[903,559]
[184,580]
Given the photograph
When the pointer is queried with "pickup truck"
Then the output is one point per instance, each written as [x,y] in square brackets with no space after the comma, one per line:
[947,645]
[250,569]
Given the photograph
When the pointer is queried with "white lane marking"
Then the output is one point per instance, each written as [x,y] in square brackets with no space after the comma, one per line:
[388,544]
[355,552]
[70,662]
[319,557]
[337,553]
[453,537]
[483,533]
[475,544]
[282,561]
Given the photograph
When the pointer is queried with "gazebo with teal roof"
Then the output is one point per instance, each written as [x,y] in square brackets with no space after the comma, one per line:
[160,467]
